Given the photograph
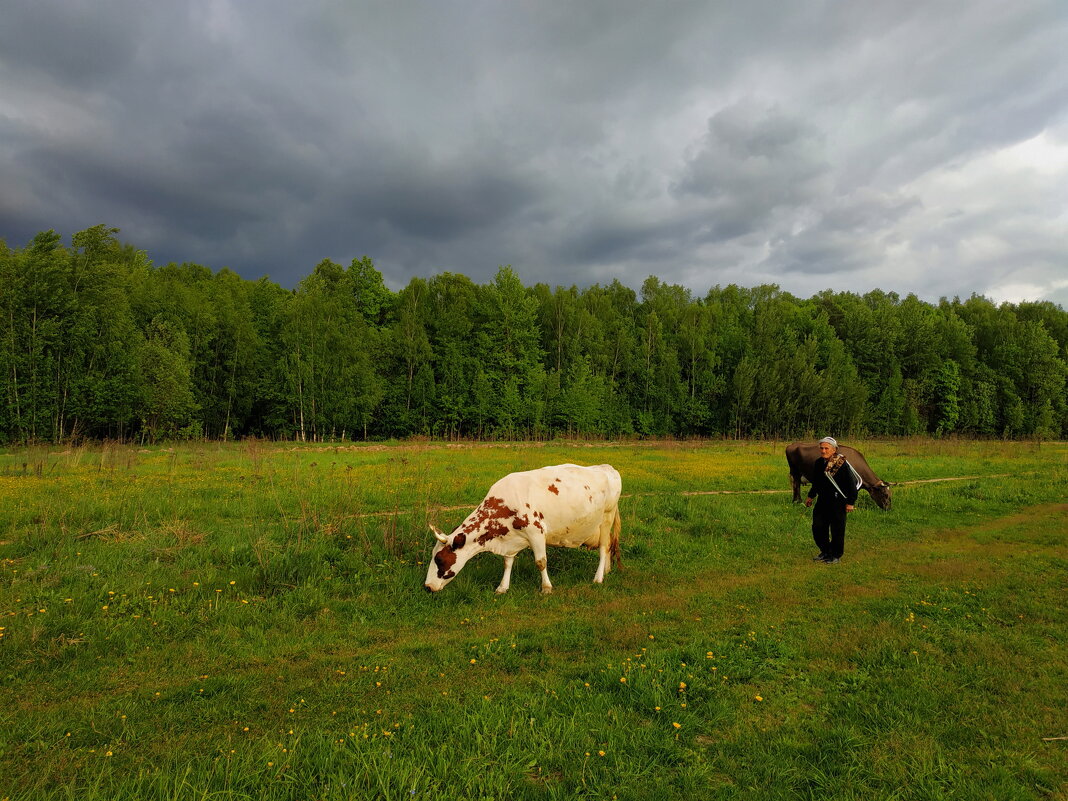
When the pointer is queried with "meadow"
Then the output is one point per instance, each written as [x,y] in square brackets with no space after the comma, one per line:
[247,621]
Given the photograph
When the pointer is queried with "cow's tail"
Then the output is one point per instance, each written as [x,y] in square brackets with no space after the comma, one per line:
[614,551]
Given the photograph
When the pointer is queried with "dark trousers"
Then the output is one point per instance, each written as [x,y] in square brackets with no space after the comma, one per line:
[828,528]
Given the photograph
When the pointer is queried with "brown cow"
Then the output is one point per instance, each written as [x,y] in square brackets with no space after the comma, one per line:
[802,456]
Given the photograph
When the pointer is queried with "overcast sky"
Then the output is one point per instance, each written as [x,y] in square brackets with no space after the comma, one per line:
[914,145]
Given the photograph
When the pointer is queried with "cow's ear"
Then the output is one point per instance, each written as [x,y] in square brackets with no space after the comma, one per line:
[439,535]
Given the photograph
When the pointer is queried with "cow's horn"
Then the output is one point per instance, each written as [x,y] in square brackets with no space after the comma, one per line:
[439,535]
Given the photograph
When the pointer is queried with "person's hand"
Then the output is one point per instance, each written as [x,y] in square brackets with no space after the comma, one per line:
[808,501]
[849,508]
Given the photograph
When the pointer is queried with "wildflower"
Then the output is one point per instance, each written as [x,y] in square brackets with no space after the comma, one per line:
[623,679]
[682,685]
[758,698]
[600,753]
[677,725]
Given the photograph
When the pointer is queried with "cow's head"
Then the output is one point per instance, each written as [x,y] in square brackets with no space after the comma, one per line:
[880,493]
[450,554]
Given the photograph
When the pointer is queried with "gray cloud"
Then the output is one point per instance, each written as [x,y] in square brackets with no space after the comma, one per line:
[913,146]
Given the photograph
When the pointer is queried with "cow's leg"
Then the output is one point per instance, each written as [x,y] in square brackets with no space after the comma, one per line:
[604,565]
[537,545]
[506,579]
[795,482]
[605,546]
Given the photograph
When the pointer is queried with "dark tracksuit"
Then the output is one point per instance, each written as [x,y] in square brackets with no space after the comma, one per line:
[829,514]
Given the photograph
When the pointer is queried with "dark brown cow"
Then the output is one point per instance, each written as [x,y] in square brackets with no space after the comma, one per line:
[802,456]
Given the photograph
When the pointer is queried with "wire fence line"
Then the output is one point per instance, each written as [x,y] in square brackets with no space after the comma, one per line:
[436,509]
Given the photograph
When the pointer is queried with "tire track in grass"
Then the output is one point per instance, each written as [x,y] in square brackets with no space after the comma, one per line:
[956,549]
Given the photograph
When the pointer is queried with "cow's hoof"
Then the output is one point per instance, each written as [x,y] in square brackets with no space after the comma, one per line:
[501,591]
[546,590]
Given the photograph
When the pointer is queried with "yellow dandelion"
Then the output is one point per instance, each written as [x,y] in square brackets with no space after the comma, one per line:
[677,725]
[600,753]
[623,679]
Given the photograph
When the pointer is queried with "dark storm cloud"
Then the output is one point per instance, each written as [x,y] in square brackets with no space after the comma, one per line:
[912,146]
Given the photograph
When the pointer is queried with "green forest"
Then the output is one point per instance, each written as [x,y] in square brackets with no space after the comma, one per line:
[97,342]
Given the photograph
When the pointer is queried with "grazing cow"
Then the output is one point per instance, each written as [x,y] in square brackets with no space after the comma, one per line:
[802,456]
[565,505]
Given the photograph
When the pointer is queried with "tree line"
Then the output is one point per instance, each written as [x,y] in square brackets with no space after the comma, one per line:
[96,342]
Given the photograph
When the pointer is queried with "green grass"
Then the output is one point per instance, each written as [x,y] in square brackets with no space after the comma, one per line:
[248,621]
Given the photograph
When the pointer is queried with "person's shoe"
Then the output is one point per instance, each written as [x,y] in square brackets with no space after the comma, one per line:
[831,560]
[820,557]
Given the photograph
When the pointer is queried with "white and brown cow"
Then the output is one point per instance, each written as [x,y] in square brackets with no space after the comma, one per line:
[566,505]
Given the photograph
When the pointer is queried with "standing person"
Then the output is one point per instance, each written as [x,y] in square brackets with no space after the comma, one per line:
[835,486]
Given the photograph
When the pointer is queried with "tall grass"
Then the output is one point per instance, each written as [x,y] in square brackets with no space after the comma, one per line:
[247,621]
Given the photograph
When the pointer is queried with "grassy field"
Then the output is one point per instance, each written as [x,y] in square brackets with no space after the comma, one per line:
[248,621]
